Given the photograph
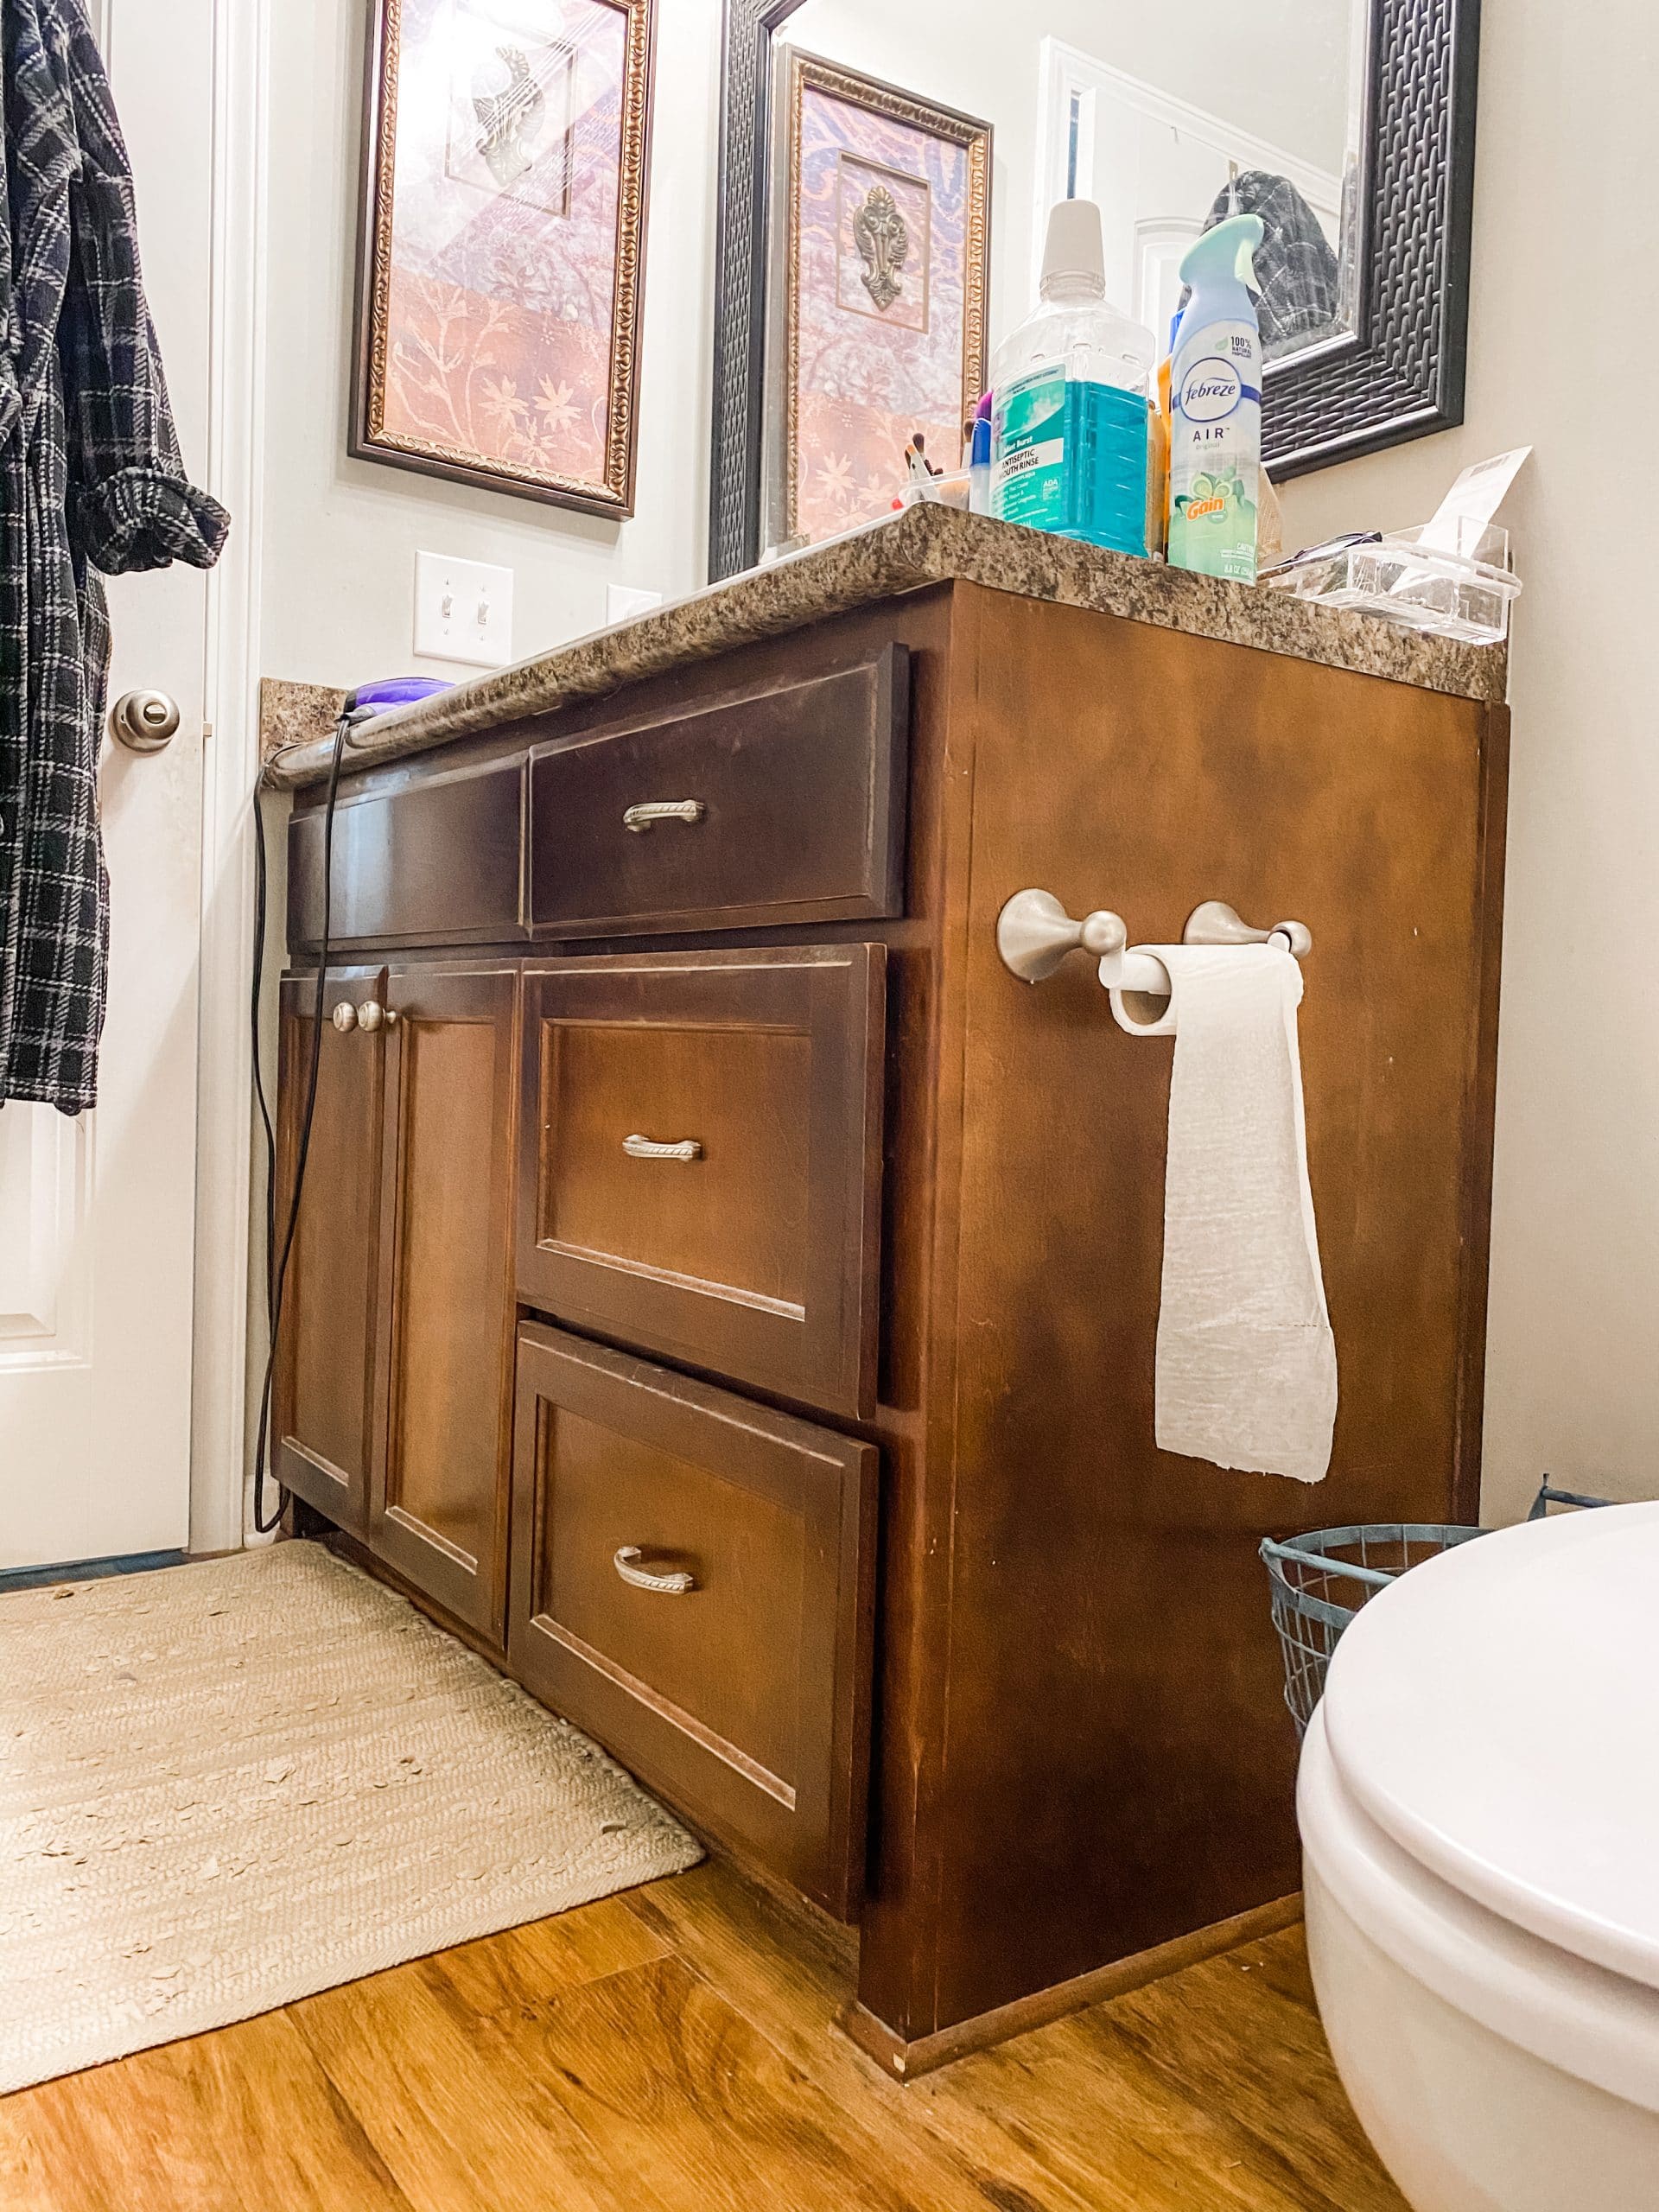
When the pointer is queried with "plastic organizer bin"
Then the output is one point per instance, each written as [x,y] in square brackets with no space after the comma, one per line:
[1463,594]
[1320,1581]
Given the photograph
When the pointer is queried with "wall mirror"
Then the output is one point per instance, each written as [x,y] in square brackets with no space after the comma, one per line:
[887,171]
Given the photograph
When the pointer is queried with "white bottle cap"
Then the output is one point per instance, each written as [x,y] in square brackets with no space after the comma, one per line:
[1075,251]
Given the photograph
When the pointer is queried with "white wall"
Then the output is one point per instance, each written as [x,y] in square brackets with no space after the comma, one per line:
[341,535]
[1563,331]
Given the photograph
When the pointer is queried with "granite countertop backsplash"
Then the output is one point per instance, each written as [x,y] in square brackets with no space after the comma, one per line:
[924,545]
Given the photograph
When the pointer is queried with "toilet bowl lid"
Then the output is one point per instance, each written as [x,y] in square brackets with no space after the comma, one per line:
[1497,1712]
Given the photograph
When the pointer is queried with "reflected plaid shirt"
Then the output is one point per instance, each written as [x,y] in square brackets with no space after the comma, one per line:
[91,481]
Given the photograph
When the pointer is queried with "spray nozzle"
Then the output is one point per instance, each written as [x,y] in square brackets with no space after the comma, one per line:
[1225,253]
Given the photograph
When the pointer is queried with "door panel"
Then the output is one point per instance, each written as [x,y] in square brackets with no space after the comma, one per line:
[324,1416]
[692,1583]
[446,1287]
[98,1214]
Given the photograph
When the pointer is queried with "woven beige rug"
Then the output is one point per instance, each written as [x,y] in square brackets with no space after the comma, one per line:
[225,1787]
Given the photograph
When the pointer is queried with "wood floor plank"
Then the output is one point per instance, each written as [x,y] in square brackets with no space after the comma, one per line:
[452,2134]
[792,1986]
[240,2117]
[699,2109]
[129,2134]
[1282,1962]
[1209,2087]
[675,2049]
[39,2170]
[298,2144]
[1223,2036]
[523,1967]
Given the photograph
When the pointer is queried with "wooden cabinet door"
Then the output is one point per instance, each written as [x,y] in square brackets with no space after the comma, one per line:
[692,1583]
[445,1298]
[324,1413]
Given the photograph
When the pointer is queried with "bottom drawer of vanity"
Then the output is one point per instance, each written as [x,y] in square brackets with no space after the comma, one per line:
[691,1584]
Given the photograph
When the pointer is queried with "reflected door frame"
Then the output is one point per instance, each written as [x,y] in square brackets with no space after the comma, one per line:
[1075,84]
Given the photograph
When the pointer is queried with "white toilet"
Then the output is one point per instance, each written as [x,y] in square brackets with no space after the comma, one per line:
[1479,1808]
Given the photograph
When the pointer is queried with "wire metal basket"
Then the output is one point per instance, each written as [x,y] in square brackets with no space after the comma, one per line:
[1320,1581]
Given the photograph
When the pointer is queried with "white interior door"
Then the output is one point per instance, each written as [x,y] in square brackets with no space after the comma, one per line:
[96,1215]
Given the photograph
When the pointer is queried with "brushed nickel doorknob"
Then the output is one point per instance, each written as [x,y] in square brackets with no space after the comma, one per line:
[345,1017]
[372,1015]
[144,720]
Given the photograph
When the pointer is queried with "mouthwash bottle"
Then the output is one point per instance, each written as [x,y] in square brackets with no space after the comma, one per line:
[1215,429]
[1070,428]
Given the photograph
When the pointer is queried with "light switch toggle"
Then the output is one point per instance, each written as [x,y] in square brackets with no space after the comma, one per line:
[463,611]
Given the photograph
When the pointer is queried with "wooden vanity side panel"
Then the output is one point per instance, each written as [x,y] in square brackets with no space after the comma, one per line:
[898,1952]
[1118,1767]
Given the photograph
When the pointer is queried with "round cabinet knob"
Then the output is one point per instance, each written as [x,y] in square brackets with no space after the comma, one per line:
[345,1017]
[372,1015]
[144,720]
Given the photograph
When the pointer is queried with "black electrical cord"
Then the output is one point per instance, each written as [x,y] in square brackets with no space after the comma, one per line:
[275,1264]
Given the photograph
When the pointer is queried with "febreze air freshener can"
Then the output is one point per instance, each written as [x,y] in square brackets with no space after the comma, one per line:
[1215,442]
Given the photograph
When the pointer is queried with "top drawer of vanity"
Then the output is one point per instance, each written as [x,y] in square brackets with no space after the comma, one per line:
[786,806]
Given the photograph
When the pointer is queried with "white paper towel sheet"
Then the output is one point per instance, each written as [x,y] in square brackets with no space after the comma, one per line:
[1246,1366]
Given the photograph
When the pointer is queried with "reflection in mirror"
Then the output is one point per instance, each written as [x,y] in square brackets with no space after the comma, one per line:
[899,254]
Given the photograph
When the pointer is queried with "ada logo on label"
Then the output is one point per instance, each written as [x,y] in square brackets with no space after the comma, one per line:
[1211,390]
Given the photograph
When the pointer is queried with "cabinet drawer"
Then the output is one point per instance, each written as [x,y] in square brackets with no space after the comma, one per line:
[437,860]
[740,1689]
[702,1159]
[792,811]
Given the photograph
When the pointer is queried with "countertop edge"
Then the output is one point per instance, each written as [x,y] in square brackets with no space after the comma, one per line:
[923,547]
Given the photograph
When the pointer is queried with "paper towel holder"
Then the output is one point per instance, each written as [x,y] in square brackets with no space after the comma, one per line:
[1035,934]
[1216,923]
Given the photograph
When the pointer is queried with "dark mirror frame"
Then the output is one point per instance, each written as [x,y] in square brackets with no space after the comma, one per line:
[1399,376]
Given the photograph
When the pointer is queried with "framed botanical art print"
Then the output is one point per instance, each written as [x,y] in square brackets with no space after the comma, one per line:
[506,144]
[881,255]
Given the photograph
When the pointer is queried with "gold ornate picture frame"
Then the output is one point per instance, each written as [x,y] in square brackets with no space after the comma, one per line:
[880,274]
[505,189]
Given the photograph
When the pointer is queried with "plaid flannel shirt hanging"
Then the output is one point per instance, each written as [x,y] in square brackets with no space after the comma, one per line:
[91,481]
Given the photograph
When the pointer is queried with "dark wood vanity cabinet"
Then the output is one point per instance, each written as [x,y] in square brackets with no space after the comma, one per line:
[824,1254]
[393,1413]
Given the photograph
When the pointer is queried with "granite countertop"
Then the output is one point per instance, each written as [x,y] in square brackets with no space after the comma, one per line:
[924,545]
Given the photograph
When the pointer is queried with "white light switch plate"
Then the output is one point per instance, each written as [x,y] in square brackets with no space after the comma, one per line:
[463,611]
[623,601]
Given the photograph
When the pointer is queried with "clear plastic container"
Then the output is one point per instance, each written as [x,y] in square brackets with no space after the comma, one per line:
[951,490]
[1463,592]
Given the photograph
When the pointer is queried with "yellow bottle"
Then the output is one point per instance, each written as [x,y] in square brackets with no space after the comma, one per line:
[1158,467]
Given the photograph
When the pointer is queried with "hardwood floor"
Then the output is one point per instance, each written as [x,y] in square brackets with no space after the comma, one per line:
[672,2050]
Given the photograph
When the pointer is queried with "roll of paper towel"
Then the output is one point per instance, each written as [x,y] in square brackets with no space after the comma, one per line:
[1246,1366]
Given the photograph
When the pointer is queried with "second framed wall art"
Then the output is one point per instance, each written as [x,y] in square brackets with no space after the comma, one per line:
[504,183]
[880,261]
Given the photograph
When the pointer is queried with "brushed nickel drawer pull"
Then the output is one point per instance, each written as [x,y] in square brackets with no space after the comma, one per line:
[641,1578]
[643,1148]
[664,809]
